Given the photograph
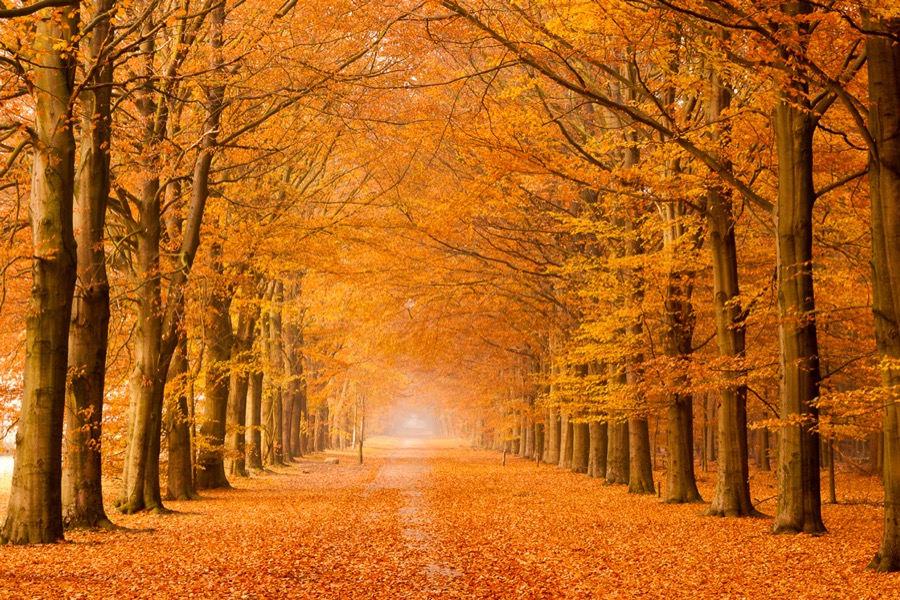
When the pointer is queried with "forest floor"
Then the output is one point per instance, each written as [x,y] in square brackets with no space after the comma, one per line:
[435,519]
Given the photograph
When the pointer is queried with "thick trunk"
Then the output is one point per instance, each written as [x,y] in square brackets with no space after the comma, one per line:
[89,330]
[580,447]
[180,475]
[617,462]
[219,341]
[799,497]
[884,183]
[34,512]
[681,484]
[599,441]
[640,470]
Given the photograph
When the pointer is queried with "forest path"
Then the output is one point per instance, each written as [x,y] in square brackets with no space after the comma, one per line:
[436,519]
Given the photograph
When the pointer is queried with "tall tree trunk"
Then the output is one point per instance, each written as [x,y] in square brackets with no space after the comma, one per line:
[732,494]
[884,182]
[799,494]
[145,381]
[89,330]
[34,513]
[681,484]
[272,398]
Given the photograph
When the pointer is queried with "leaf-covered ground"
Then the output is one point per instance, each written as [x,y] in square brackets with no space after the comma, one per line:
[444,521]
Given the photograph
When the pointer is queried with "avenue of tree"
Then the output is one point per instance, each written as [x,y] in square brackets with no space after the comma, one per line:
[610,235]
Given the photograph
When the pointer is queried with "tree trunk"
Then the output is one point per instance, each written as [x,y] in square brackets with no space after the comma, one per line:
[89,329]
[640,480]
[238,386]
[254,421]
[763,463]
[884,184]
[565,442]
[180,476]
[799,497]
[529,440]
[617,463]
[551,438]
[580,447]
[599,441]
[732,495]
[219,341]
[34,513]
[272,399]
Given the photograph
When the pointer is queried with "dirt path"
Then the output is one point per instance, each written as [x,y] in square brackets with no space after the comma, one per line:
[438,520]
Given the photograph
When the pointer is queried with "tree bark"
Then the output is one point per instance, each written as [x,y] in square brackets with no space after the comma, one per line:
[599,441]
[580,447]
[219,342]
[732,494]
[551,438]
[884,184]
[89,329]
[254,421]
[640,471]
[238,386]
[565,442]
[34,513]
[799,497]
[180,474]
[617,462]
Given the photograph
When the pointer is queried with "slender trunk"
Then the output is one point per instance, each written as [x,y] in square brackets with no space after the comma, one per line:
[34,513]
[732,494]
[884,184]
[763,463]
[565,442]
[238,386]
[254,421]
[272,399]
[145,382]
[551,452]
[89,329]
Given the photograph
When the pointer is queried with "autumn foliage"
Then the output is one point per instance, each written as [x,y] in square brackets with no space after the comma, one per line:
[648,242]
